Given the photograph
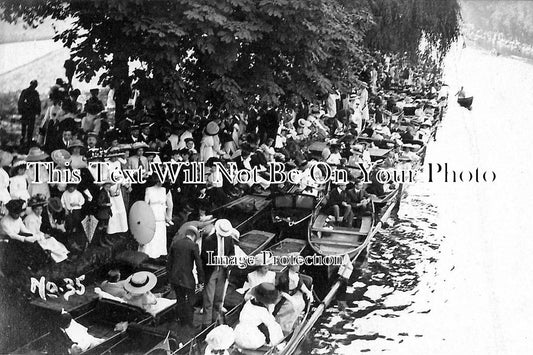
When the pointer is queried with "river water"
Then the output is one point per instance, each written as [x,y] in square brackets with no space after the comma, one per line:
[453,274]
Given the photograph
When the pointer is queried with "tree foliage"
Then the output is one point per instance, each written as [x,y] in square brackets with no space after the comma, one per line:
[231,53]
[400,26]
[512,18]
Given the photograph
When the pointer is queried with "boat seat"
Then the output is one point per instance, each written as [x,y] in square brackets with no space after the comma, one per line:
[366,224]
[320,242]
[340,230]
[319,221]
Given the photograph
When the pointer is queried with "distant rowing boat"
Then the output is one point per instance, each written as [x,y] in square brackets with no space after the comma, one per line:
[465,101]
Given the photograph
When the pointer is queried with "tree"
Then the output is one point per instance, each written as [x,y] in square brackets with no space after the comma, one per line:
[400,26]
[227,52]
[232,53]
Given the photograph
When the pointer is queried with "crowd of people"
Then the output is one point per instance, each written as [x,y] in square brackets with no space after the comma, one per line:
[65,218]
[499,43]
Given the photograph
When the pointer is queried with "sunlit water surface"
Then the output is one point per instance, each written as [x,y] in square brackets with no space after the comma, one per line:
[453,274]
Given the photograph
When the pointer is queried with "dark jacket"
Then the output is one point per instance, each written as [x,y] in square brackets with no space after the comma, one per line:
[29,102]
[354,197]
[59,343]
[182,256]
[104,211]
[336,198]
[46,227]
[210,243]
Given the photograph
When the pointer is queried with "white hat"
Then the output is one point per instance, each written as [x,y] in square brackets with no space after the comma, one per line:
[140,282]
[303,123]
[223,227]
[220,338]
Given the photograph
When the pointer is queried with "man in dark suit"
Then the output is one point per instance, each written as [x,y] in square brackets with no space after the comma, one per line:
[66,139]
[218,243]
[337,201]
[182,257]
[359,199]
[29,106]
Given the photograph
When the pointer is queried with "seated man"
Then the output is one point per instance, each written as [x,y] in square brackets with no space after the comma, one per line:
[113,285]
[337,201]
[359,199]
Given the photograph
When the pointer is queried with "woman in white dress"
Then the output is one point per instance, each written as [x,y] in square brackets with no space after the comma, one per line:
[363,102]
[157,197]
[33,223]
[18,183]
[260,275]
[292,304]
[118,223]
[210,145]
[257,326]
[5,160]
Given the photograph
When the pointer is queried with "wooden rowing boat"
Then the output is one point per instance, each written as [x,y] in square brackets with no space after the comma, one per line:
[313,317]
[244,210]
[144,335]
[292,209]
[280,249]
[100,321]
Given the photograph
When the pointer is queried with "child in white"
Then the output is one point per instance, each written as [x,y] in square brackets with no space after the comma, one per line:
[72,201]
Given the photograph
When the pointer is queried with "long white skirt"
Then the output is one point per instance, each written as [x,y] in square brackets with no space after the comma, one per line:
[248,336]
[118,223]
[58,251]
[158,245]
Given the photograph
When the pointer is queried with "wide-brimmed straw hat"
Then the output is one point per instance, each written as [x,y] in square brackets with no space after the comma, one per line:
[223,227]
[220,338]
[15,206]
[36,154]
[17,163]
[61,156]
[265,293]
[54,204]
[191,230]
[151,152]
[76,143]
[139,145]
[37,200]
[114,152]
[94,153]
[212,128]
[140,282]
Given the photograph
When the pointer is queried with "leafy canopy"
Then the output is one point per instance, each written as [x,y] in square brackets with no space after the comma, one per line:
[232,53]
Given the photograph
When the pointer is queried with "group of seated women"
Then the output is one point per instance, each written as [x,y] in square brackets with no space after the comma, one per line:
[273,305]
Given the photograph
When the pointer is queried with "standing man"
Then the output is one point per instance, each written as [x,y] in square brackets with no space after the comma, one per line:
[217,243]
[182,257]
[29,106]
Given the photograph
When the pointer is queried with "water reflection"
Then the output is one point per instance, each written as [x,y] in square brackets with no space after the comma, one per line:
[396,279]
